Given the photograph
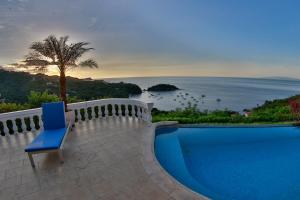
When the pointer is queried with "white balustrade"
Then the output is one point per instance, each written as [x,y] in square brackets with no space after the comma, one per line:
[22,121]
[12,122]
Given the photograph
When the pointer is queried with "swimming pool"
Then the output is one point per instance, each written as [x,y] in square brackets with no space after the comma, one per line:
[233,163]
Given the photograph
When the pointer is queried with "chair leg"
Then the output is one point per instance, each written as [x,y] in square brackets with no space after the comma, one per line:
[31,160]
[60,154]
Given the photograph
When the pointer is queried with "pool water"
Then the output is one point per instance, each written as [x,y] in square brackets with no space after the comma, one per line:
[233,163]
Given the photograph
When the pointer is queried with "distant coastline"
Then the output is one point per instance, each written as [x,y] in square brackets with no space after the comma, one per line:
[207,93]
[220,93]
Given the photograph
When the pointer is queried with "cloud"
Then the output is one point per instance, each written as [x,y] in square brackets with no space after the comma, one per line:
[93,23]
[139,34]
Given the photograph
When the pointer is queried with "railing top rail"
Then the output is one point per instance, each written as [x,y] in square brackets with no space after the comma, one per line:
[108,101]
[35,111]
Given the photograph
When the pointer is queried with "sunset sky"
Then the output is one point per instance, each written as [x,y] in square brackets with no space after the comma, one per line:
[254,38]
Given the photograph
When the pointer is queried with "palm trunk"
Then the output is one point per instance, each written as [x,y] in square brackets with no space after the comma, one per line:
[63,88]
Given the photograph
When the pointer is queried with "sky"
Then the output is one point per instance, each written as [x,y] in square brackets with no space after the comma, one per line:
[235,38]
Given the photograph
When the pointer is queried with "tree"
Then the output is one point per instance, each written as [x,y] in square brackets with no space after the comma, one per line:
[58,52]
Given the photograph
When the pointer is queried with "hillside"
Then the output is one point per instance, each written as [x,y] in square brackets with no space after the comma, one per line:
[15,86]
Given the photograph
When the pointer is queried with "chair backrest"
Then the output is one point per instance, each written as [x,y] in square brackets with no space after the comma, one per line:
[54,115]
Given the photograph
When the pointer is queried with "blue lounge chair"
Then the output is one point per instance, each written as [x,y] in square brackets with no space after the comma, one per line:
[54,134]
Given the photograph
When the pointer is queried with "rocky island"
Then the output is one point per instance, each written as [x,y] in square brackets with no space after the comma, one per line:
[162,88]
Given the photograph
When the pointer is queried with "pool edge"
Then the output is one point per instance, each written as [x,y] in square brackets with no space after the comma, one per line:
[157,173]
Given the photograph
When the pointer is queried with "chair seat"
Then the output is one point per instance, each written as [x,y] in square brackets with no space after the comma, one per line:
[47,140]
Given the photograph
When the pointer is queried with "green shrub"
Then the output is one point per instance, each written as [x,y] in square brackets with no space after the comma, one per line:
[10,107]
[35,99]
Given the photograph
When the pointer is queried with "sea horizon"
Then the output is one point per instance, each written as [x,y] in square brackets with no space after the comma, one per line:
[287,78]
[230,93]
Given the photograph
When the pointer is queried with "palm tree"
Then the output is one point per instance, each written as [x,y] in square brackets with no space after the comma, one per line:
[56,51]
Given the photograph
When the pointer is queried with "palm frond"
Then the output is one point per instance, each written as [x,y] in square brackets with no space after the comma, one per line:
[89,63]
[43,49]
[53,44]
[37,62]
[63,46]
[36,59]
[57,51]
[76,50]
[33,55]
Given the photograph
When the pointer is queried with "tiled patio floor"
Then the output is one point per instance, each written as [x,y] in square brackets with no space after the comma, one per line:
[104,159]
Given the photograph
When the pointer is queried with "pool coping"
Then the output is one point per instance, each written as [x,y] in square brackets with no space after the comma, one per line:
[160,176]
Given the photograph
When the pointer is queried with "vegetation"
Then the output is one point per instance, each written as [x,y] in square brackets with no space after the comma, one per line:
[16,86]
[34,100]
[162,88]
[10,107]
[277,111]
[57,52]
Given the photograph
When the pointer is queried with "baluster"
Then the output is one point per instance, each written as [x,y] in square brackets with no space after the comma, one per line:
[133,110]
[14,126]
[79,118]
[23,125]
[113,110]
[143,113]
[137,111]
[139,114]
[119,109]
[126,110]
[148,112]
[87,116]
[40,122]
[100,113]
[5,127]
[93,112]
[32,125]
[106,110]
[148,116]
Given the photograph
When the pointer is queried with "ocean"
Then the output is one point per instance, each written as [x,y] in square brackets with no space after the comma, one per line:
[213,93]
